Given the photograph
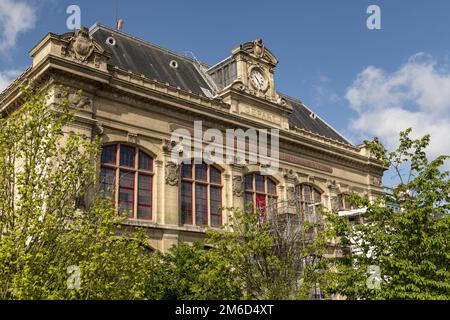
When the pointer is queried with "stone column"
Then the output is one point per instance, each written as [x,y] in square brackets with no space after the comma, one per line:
[171,188]
[237,179]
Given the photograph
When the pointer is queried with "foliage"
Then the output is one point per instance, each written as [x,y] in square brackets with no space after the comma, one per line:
[45,172]
[410,246]
[270,259]
[244,260]
[189,272]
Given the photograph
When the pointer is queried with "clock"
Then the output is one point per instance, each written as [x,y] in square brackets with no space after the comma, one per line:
[258,80]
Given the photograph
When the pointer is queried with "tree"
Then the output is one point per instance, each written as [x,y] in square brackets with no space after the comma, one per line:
[400,254]
[252,257]
[189,272]
[273,253]
[54,245]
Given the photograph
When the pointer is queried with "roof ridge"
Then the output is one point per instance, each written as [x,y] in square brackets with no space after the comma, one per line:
[147,43]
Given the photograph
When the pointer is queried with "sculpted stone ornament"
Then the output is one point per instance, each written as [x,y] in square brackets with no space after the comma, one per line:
[376,181]
[332,185]
[238,186]
[291,195]
[258,48]
[81,45]
[78,101]
[169,145]
[172,173]
[290,175]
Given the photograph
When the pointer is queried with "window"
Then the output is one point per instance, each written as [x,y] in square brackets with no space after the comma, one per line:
[310,199]
[127,178]
[259,190]
[201,195]
[344,202]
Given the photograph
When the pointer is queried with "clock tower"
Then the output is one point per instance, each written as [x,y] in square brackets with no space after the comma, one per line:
[255,66]
[245,80]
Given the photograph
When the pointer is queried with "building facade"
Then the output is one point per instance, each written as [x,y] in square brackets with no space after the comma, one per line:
[136,95]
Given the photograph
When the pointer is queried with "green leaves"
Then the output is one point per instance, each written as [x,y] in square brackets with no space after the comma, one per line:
[47,164]
[411,246]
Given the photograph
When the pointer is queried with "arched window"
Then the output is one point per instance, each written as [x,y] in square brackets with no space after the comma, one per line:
[310,199]
[127,177]
[201,195]
[260,190]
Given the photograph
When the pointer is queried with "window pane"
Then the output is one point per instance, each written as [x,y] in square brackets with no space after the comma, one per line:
[248,182]
[186,170]
[316,196]
[144,197]
[307,193]
[126,192]
[126,179]
[109,155]
[107,178]
[260,201]
[259,183]
[127,156]
[248,200]
[145,162]
[186,203]
[200,172]
[214,175]
[215,204]
[201,205]
[271,187]
[144,213]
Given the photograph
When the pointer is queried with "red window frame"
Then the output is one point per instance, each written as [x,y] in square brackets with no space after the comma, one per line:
[136,171]
[150,190]
[258,195]
[122,174]
[207,201]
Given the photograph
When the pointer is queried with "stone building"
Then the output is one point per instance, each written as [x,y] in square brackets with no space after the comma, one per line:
[135,94]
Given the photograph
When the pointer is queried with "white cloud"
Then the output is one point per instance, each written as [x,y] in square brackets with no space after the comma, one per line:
[417,95]
[15,17]
[6,77]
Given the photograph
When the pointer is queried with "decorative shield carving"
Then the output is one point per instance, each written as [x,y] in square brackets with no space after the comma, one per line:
[81,45]
[291,195]
[172,173]
[238,186]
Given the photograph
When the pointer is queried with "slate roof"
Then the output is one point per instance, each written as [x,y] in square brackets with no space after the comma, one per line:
[141,57]
[304,118]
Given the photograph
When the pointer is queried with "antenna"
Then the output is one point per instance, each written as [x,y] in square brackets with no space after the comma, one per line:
[118,22]
[117,11]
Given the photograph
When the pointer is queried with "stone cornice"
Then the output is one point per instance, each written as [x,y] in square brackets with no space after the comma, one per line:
[149,89]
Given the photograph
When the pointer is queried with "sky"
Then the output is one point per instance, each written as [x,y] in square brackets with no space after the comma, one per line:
[363,82]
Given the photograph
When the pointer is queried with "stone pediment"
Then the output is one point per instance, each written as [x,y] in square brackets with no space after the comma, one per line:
[257,50]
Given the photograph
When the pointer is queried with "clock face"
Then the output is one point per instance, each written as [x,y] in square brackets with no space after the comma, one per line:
[258,80]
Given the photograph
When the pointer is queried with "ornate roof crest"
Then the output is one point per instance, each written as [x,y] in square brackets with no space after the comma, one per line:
[257,49]
[81,45]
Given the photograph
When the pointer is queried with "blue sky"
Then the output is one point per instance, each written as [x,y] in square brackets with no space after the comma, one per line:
[363,82]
